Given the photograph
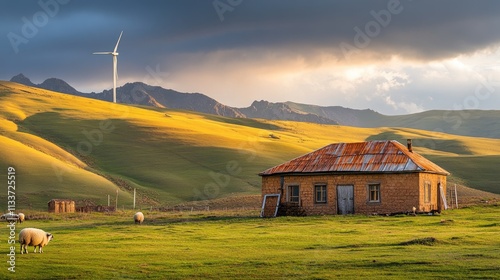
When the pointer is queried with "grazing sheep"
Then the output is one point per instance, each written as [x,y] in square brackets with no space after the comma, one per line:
[138,218]
[21,218]
[10,217]
[34,237]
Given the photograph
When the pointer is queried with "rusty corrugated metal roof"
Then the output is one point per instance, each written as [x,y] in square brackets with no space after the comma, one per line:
[372,156]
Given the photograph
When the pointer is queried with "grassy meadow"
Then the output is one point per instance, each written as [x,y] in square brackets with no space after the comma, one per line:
[458,244]
[65,146]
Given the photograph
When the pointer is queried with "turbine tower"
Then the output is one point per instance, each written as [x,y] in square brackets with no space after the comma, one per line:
[115,62]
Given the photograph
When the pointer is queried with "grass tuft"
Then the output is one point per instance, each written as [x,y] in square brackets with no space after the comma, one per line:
[427,241]
[446,222]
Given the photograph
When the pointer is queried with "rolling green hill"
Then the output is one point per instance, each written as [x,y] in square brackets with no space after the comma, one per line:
[64,146]
[477,123]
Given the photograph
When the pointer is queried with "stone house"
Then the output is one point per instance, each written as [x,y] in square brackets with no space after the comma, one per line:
[374,177]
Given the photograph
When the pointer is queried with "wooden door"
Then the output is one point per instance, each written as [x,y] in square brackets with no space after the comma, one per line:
[345,199]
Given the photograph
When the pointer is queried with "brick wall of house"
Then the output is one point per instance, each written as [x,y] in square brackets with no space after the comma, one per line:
[435,202]
[398,192]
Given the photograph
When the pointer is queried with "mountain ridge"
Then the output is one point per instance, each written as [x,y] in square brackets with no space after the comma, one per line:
[477,123]
[139,93]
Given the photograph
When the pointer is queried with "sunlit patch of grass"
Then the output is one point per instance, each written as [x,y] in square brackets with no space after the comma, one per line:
[231,245]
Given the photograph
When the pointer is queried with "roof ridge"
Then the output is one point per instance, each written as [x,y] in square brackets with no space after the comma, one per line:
[401,148]
[409,154]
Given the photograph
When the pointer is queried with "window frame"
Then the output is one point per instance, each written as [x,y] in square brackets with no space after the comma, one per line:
[324,193]
[289,194]
[377,191]
[427,192]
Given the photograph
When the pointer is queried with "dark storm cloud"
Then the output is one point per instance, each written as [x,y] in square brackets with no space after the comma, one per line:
[155,29]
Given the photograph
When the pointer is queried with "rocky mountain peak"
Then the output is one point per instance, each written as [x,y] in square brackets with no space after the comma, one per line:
[143,94]
[59,85]
[21,79]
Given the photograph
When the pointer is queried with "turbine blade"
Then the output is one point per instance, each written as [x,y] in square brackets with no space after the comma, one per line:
[116,47]
[102,53]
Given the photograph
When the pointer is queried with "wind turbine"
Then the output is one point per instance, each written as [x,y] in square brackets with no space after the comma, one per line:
[115,62]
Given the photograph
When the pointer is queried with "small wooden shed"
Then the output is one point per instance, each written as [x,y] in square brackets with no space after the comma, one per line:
[61,206]
[374,177]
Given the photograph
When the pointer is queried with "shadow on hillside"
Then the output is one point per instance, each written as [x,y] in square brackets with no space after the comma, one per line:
[451,146]
[388,135]
[243,122]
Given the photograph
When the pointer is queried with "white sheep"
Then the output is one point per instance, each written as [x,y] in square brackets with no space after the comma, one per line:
[138,218]
[21,218]
[33,237]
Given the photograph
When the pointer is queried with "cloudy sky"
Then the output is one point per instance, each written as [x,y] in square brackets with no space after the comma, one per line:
[395,57]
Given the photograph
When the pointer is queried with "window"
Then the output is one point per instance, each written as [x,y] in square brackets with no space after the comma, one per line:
[374,193]
[427,192]
[320,193]
[293,193]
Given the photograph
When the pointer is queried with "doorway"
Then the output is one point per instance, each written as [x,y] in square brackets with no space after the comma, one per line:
[345,199]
